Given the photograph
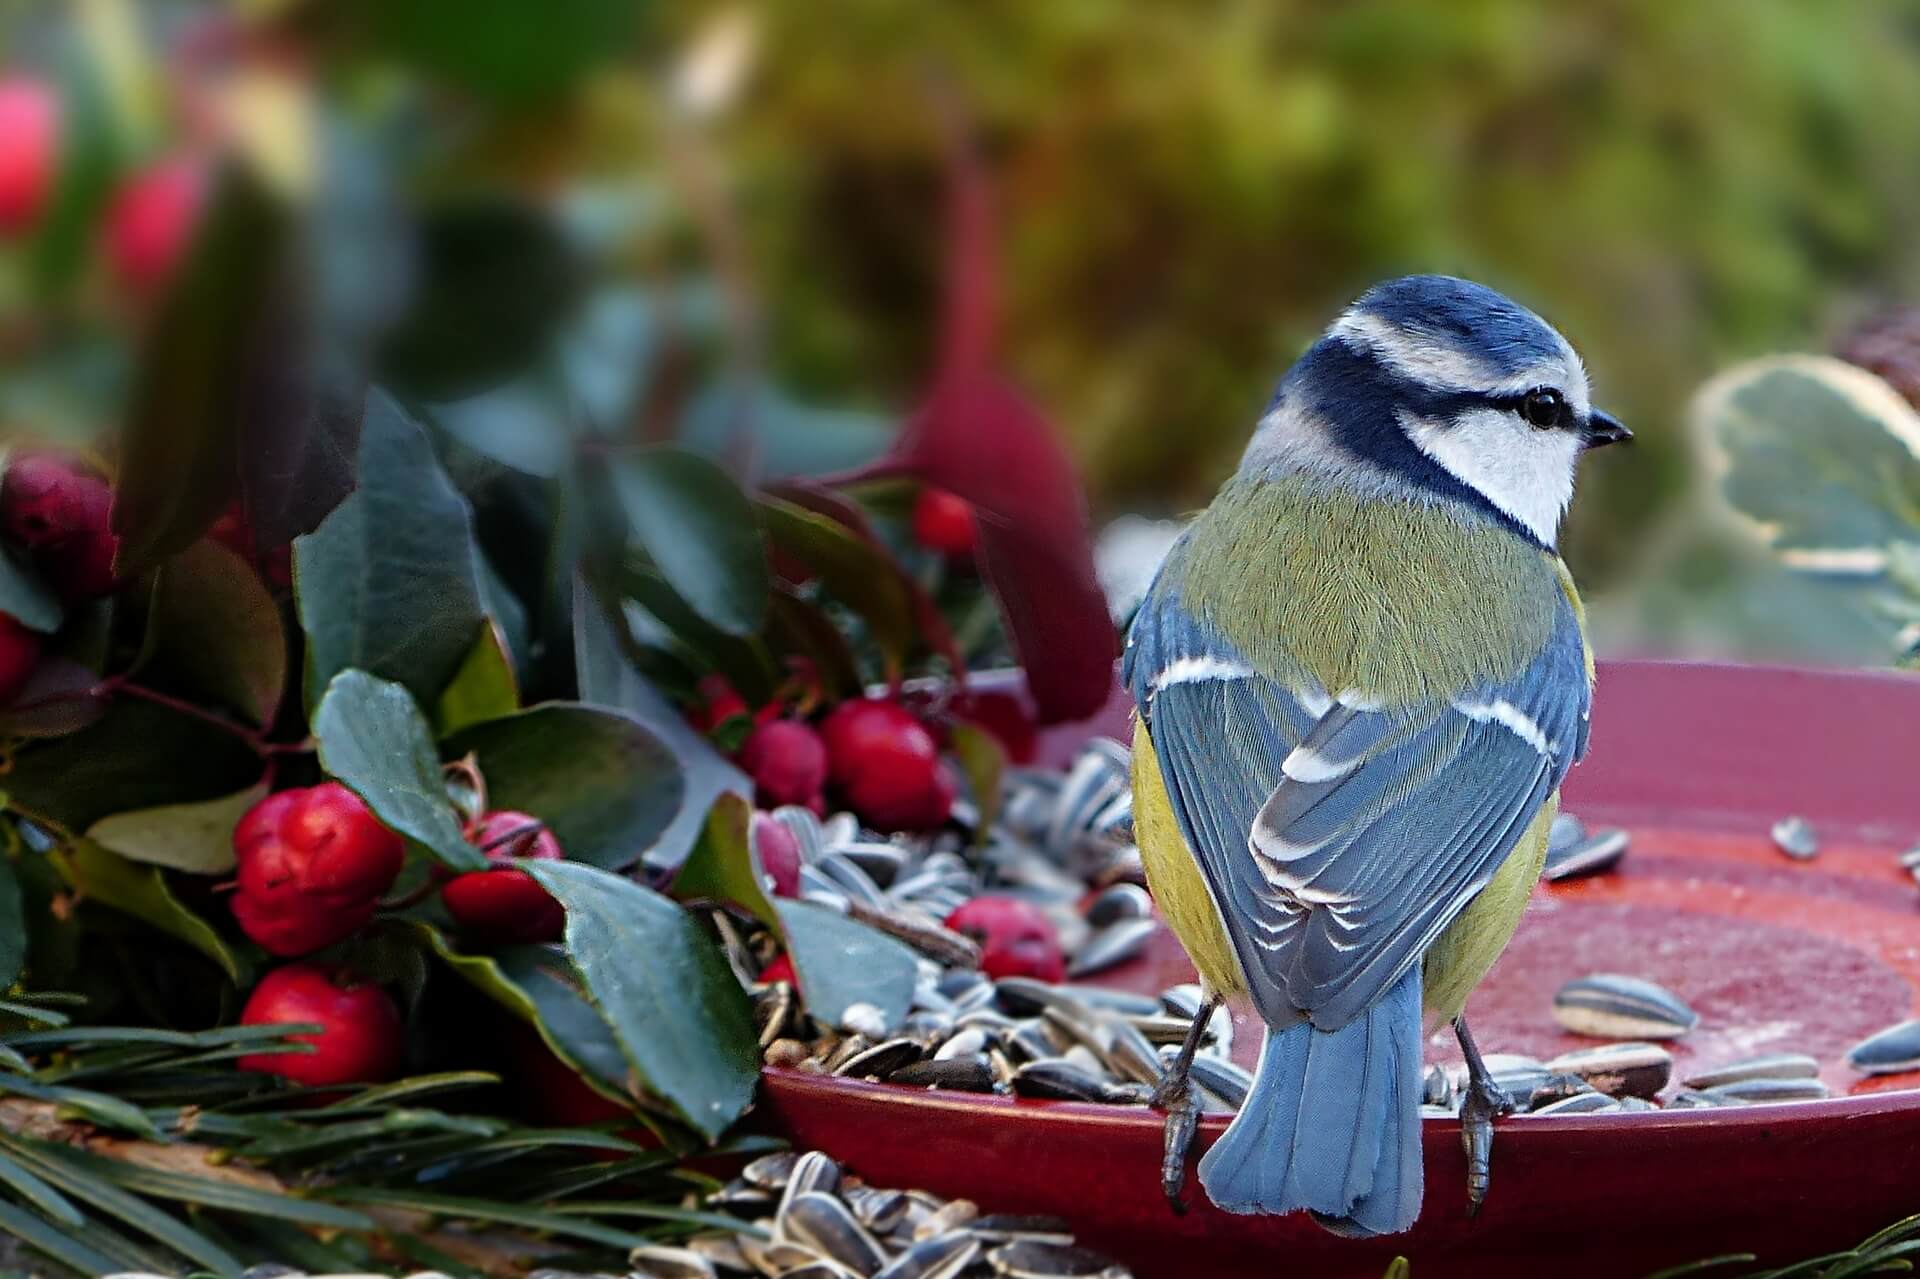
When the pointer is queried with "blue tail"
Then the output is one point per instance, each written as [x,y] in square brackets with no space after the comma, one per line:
[1332,1124]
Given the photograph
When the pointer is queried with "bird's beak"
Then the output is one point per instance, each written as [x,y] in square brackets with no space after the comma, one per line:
[1604,428]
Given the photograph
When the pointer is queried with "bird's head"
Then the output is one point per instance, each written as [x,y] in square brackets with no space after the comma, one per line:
[1450,388]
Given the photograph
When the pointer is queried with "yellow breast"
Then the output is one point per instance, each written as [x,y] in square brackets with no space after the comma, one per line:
[1178,884]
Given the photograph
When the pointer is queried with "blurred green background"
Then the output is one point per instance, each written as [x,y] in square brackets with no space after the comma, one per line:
[1186,192]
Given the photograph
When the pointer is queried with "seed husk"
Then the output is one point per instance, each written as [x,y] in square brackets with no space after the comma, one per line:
[825,1224]
[1517,1075]
[775,1008]
[820,1268]
[1007,1227]
[1693,1099]
[1223,1079]
[742,1199]
[787,1052]
[881,1060]
[1122,901]
[969,1041]
[1558,1088]
[879,1210]
[1184,1001]
[941,1257]
[1888,1052]
[1794,836]
[1590,855]
[1130,1055]
[1772,1066]
[1057,1079]
[1586,1103]
[1029,1041]
[656,1261]
[955,1214]
[1112,946]
[1029,1260]
[972,1073]
[1615,1006]
[1619,1070]
[770,1172]
[812,1173]
[1753,1092]
[722,1250]
[1436,1087]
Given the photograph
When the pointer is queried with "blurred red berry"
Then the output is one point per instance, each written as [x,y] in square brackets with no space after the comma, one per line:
[1016,937]
[900,799]
[19,653]
[718,703]
[150,223]
[787,761]
[779,851]
[887,765]
[29,151]
[506,905]
[60,510]
[361,1040]
[311,865]
[943,522]
[781,969]
[1002,714]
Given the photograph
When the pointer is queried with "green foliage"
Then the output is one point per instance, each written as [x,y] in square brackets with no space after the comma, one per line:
[699,531]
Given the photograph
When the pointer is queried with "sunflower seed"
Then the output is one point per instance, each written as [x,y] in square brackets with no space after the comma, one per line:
[961,1074]
[1558,1088]
[812,1173]
[1774,1066]
[1794,837]
[1585,1103]
[1223,1079]
[1691,1099]
[1895,1049]
[1619,1070]
[775,1008]
[771,1172]
[1130,1055]
[722,1250]
[941,1257]
[787,1052]
[1612,1006]
[955,1214]
[1753,1092]
[1516,1075]
[1184,1001]
[1086,1059]
[1122,901]
[881,863]
[1030,1041]
[881,1060]
[970,1041]
[1112,946]
[1004,1227]
[1566,831]
[1112,1000]
[825,1224]
[1163,1029]
[1057,1079]
[1635,1103]
[1436,1087]
[864,1019]
[1591,855]
[741,1199]
[656,1261]
[821,1268]
[1081,1027]
[1029,1260]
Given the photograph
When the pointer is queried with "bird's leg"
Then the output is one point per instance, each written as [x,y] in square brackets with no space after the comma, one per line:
[1484,1101]
[1174,1094]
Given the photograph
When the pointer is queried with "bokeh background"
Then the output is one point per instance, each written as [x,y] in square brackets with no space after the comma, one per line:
[1183,195]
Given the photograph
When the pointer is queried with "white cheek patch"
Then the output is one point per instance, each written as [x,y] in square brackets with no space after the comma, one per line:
[1524,471]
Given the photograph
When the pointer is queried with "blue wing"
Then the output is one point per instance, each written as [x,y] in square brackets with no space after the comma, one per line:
[1339,839]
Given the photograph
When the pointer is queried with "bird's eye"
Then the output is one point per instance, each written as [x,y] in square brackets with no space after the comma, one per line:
[1544,408]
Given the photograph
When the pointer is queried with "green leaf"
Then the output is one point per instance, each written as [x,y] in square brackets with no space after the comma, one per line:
[790,438]
[853,570]
[472,1209]
[482,45]
[984,762]
[607,678]
[95,1107]
[56,1164]
[40,1194]
[841,962]
[483,688]
[25,597]
[723,866]
[56,1243]
[141,891]
[58,698]
[89,162]
[1821,458]
[801,628]
[13,925]
[219,630]
[681,1018]
[197,838]
[537,985]
[604,784]
[700,531]
[373,738]
[387,583]
[190,400]
[138,755]
[522,425]
[212,1193]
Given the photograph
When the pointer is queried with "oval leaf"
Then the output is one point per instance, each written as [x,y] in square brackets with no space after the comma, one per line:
[841,962]
[662,985]
[24,597]
[1820,457]
[387,583]
[724,867]
[603,784]
[854,569]
[218,628]
[373,738]
[197,838]
[484,687]
[700,530]
[58,698]
[101,875]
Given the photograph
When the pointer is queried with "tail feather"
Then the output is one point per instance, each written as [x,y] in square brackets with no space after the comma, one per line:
[1332,1123]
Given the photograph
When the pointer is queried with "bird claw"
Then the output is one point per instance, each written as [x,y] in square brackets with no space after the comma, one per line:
[1183,1123]
[1484,1102]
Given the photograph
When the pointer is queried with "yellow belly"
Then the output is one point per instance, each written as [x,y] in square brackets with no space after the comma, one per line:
[1453,966]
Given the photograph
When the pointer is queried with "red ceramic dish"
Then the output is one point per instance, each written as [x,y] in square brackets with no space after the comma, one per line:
[1698,761]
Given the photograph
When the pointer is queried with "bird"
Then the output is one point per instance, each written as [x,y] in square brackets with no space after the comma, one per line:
[1358,680]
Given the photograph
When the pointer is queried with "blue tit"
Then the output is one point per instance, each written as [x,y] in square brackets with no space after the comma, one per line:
[1359,679]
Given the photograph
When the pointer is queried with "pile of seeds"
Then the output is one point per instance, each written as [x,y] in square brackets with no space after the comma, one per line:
[805,1218]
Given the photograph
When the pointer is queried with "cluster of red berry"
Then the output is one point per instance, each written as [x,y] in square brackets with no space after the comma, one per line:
[150,217]
[56,510]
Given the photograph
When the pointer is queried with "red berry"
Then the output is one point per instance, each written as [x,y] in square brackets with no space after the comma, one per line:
[901,800]
[311,866]
[779,852]
[781,969]
[1005,716]
[718,704]
[361,1042]
[943,522]
[787,761]
[887,765]
[235,532]
[1016,937]
[288,924]
[29,151]
[506,905]
[19,652]
[150,223]
[62,512]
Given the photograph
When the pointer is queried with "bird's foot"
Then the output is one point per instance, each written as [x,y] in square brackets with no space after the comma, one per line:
[1183,1123]
[1484,1102]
